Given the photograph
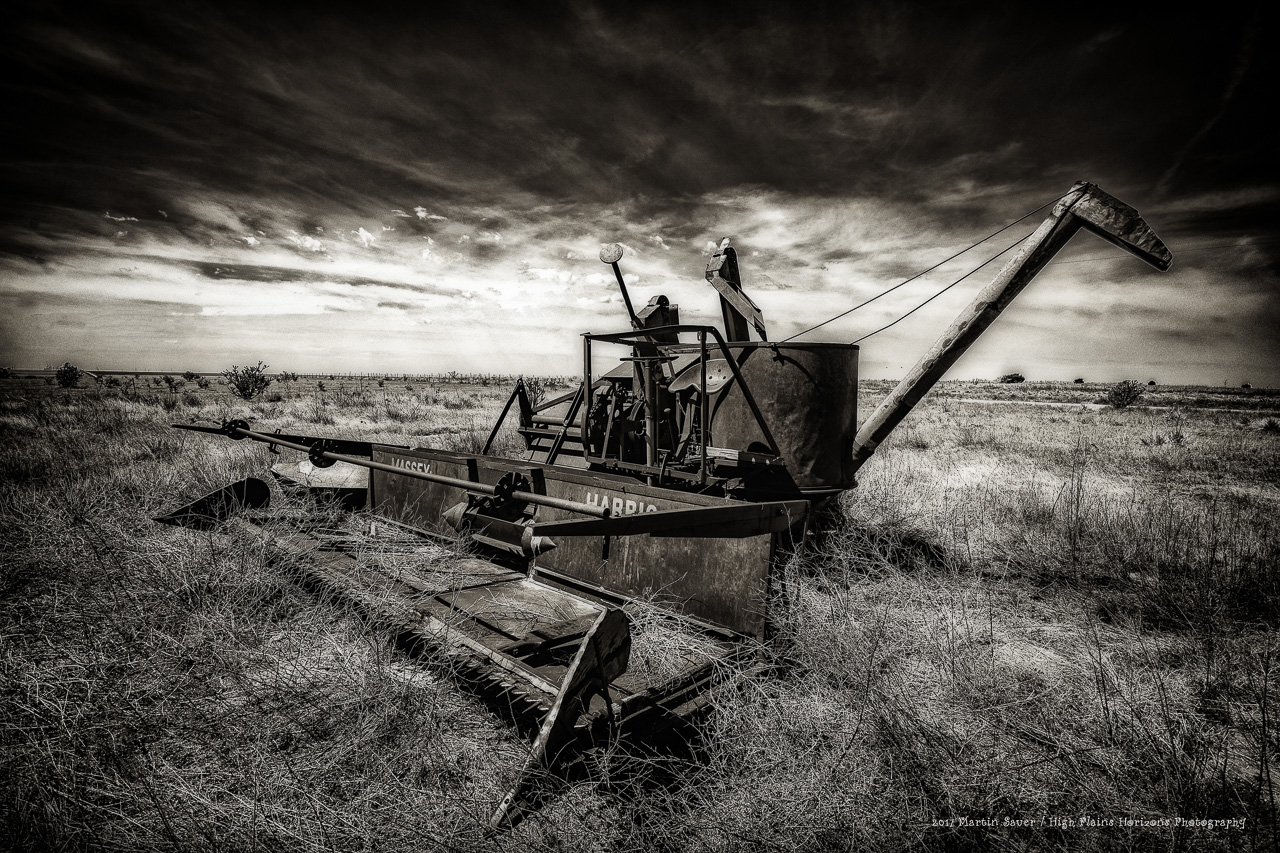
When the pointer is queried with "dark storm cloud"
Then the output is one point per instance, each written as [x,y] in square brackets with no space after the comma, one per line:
[584,104]
[437,151]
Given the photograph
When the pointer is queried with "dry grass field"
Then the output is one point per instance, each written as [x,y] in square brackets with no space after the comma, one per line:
[1056,623]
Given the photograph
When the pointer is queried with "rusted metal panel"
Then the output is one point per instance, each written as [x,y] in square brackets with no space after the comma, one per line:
[724,581]
[808,394]
[520,607]
[207,512]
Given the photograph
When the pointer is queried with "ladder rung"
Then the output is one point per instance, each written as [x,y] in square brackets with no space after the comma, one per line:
[569,432]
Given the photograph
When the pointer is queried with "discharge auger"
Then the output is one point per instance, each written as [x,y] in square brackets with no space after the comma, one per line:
[689,471]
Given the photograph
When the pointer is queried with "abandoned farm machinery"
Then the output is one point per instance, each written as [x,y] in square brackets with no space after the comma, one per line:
[687,472]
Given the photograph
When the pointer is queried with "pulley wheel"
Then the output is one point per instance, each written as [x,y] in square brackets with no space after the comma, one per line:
[316,457]
[230,427]
[510,482]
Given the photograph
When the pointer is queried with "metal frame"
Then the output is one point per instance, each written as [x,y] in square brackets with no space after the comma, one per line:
[703,413]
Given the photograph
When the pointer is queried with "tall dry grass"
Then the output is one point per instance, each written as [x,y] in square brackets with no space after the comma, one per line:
[1019,614]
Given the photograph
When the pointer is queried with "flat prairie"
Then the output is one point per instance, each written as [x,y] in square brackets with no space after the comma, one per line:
[1039,622]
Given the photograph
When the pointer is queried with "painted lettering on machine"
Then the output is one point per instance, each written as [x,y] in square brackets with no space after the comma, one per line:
[411,464]
[617,505]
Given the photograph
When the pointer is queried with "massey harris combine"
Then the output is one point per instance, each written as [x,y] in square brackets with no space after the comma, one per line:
[684,474]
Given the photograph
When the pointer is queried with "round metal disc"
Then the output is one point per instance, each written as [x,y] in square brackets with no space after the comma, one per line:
[610,253]
[230,427]
[316,457]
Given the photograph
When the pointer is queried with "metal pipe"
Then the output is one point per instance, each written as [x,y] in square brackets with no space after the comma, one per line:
[469,485]
[702,406]
[1085,206]
[586,399]
[650,417]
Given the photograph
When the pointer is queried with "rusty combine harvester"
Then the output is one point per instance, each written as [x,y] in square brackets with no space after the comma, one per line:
[691,469]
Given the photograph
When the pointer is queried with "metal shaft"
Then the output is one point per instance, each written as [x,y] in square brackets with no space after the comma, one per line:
[527,497]
[626,297]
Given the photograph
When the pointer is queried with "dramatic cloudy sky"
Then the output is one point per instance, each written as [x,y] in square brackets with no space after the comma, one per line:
[420,188]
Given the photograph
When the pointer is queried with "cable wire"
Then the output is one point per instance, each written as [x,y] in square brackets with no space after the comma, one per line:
[1190,250]
[929,270]
[940,292]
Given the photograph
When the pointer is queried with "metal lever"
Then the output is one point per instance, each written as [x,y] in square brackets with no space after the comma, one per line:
[610,254]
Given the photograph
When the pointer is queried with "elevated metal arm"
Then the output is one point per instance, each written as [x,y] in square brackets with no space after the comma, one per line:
[1085,206]
[739,312]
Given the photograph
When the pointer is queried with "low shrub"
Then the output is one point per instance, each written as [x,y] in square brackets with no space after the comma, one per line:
[68,375]
[247,382]
[1124,394]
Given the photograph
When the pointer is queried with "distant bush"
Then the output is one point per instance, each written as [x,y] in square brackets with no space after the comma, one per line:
[247,382]
[1010,378]
[202,382]
[1151,382]
[1246,386]
[68,375]
[6,372]
[171,383]
[112,381]
[536,388]
[1077,382]
[190,375]
[48,380]
[1124,393]
[286,376]
[1270,425]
